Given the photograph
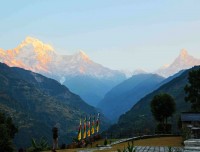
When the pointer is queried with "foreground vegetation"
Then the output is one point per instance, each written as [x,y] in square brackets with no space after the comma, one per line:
[7,133]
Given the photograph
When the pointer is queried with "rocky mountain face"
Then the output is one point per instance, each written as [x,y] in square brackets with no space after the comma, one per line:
[37,104]
[122,97]
[36,56]
[183,61]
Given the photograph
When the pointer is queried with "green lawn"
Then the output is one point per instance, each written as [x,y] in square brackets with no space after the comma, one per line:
[161,141]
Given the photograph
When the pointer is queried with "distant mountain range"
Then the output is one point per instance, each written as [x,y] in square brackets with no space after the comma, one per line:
[139,118]
[122,97]
[78,72]
[183,61]
[83,76]
[37,104]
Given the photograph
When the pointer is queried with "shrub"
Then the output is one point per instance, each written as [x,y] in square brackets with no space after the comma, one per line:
[105,142]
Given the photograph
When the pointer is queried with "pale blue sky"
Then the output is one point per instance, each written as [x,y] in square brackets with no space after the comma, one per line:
[119,34]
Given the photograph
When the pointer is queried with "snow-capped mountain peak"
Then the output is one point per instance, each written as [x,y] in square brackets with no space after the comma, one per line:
[83,76]
[165,66]
[183,54]
[183,61]
[37,45]
[34,55]
[139,71]
[82,56]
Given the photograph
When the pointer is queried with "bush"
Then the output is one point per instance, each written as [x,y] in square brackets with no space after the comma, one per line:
[162,128]
[7,133]
[185,133]
[40,145]
[129,148]
[63,146]
[105,142]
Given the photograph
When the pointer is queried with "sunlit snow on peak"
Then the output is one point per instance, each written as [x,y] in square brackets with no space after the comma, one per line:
[183,61]
[34,55]
[83,56]
[37,44]
[183,54]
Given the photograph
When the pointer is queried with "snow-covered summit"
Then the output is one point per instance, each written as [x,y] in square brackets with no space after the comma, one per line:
[35,55]
[36,44]
[183,61]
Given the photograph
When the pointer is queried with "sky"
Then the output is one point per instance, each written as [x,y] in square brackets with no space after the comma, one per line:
[118,34]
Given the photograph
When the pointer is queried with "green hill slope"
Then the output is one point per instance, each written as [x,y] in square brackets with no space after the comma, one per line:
[37,103]
[139,118]
[122,97]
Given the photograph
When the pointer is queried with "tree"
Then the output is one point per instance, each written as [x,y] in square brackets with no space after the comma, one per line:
[162,107]
[7,133]
[192,90]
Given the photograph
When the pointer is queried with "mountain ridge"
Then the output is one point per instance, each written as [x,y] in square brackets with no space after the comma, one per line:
[183,61]
[45,54]
[122,97]
[37,103]
[32,54]
[139,118]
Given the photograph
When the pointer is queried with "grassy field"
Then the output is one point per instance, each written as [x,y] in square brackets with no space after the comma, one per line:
[162,141]
[159,141]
